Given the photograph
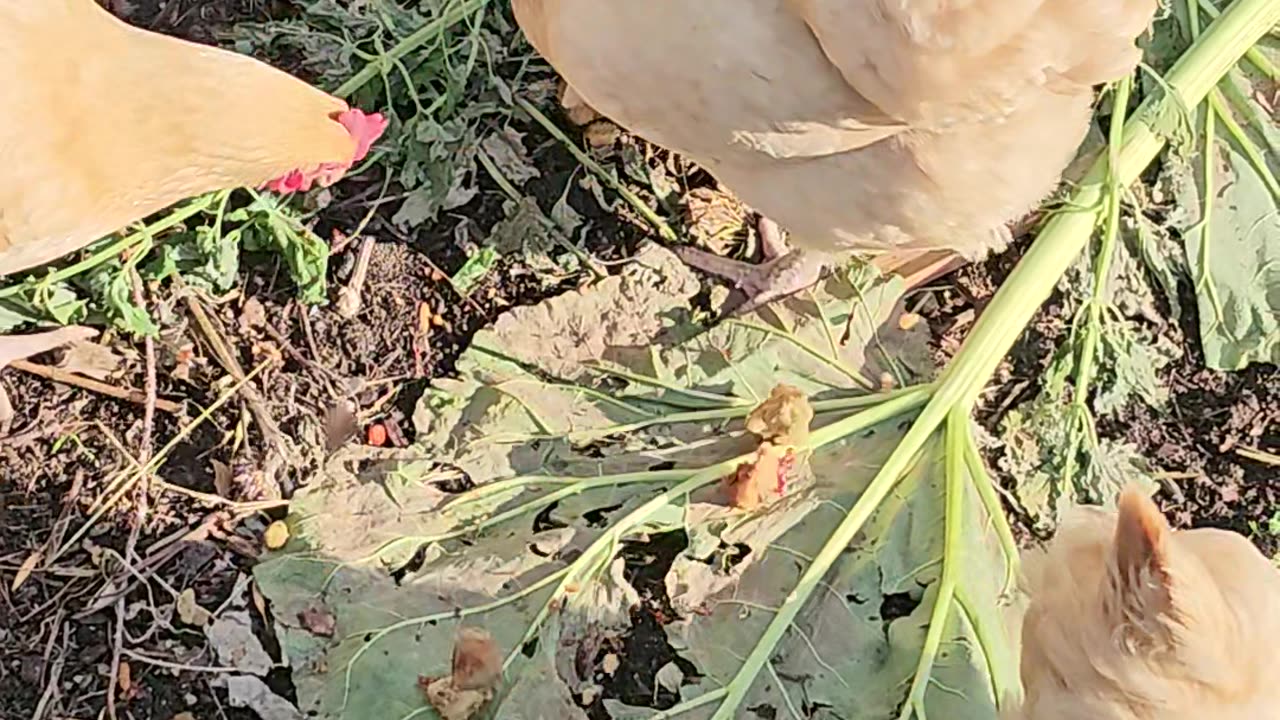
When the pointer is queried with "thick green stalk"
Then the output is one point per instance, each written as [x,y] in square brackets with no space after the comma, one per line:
[1026,289]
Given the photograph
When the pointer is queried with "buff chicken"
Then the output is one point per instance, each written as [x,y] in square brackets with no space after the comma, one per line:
[1131,620]
[883,126]
[105,124]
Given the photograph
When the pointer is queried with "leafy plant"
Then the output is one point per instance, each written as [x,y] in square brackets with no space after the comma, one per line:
[553,423]
[583,438]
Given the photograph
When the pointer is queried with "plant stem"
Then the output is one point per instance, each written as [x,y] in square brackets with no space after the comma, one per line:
[452,15]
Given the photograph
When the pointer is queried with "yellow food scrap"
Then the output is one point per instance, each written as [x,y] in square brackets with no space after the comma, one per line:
[276,536]
[783,418]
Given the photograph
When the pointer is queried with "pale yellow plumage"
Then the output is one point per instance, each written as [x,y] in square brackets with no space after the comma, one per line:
[855,124]
[1130,620]
[105,123]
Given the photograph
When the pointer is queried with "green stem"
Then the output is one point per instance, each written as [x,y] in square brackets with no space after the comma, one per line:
[640,206]
[1017,301]
[452,15]
[957,429]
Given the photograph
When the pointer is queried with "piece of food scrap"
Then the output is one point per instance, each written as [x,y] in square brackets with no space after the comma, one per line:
[475,674]
[781,422]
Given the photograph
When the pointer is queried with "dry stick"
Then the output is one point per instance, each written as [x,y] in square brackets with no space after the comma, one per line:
[349,297]
[279,450]
[59,375]
[142,492]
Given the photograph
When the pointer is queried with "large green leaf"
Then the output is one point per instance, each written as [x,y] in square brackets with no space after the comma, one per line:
[604,416]
[1223,180]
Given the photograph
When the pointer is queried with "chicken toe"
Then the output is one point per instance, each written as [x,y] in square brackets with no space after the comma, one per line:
[771,280]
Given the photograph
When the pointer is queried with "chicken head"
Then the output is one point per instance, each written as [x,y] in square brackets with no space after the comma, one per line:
[1130,620]
[93,140]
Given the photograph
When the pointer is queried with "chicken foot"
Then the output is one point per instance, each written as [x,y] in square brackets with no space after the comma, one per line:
[784,272]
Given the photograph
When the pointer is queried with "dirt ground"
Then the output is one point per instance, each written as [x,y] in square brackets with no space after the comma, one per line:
[57,628]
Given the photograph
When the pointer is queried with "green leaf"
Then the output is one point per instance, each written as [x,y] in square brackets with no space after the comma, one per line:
[270,225]
[1228,212]
[474,270]
[580,434]
[854,650]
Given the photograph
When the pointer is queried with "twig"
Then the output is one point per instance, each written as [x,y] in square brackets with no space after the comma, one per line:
[149,384]
[52,686]
[349,297]
[142,494]
[59,375]
[1258,455]
[178,666]
[279,452]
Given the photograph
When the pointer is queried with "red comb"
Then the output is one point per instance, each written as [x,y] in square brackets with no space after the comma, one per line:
[365,129]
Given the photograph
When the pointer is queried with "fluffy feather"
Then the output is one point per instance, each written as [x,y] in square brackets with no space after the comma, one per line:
[106,124]
[1129,620]
[856,124]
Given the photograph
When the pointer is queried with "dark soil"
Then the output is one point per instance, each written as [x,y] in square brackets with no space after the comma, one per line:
[63,445]
[1193,445]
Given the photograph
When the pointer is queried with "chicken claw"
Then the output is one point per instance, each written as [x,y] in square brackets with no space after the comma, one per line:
[784,272]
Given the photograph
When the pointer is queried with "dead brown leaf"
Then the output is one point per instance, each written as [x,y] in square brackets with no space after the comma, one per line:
[90,359]
[476,661]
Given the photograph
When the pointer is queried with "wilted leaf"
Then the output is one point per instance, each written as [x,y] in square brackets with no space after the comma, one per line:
[506,150]
[189,611]
[20,347]
[90,359]
[232,639]
[318,621]
[246,691]
[575,419]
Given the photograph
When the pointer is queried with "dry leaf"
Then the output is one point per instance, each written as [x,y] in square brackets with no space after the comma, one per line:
[183,716]
[24,570]
[124,678]
[259,602]
[761,481]
[453,703]
[670,677]
[318,621]
[189,611]
[246,691]
[6,412]
[340,424]
[18,347]
[610,664]
[575,107]
[252,314]
[235,645]
[601,134]
[476,660]
[90,360]
[223,479]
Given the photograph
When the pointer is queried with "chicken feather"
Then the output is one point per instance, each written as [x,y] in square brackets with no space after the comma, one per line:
[856,124]
[1131,620]
[107,123]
